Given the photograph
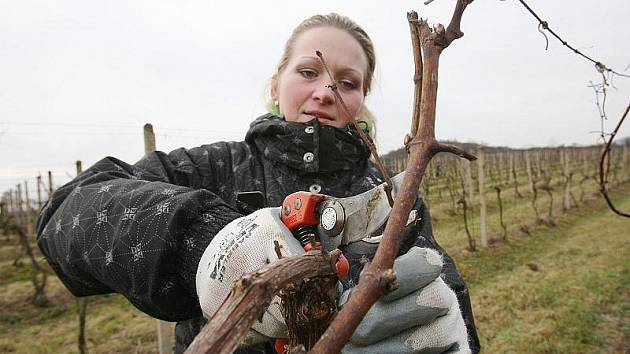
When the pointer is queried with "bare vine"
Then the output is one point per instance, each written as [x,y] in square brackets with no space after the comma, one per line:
[604,167]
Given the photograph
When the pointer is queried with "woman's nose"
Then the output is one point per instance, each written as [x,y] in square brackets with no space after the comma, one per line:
[324,94]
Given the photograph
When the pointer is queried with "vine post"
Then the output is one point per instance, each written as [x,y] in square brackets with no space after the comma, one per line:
[567,174]
[50,185]
[28,219]
[39,192]
[469,184]
[483,208]
[81,301]
[165,329]
[513,177]
[603,167]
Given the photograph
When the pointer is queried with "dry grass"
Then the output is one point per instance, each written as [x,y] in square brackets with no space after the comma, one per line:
[562,290]
[113,326]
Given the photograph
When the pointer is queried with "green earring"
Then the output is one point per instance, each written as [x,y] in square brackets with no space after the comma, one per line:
[273,107]
[364,126]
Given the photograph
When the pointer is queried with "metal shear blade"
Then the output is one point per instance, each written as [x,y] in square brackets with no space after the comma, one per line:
[368,211]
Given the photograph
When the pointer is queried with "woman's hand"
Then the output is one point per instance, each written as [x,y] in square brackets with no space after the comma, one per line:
[243,246]
[421,316]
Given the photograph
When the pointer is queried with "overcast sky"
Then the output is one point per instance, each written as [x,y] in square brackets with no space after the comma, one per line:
[79,79]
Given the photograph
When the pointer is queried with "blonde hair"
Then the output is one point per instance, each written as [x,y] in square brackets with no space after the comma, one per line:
[343,23]
[340,22]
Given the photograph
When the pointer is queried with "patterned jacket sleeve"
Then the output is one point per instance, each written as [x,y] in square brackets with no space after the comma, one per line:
[138,230]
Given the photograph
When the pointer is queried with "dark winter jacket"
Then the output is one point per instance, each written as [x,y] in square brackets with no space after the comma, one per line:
[140,229]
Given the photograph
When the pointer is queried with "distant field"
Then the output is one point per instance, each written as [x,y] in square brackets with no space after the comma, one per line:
[562,289]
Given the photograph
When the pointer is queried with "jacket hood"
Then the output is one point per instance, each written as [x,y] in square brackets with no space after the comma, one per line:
[309,147]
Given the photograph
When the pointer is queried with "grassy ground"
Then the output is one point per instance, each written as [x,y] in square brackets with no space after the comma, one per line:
[562,289]
[113,325]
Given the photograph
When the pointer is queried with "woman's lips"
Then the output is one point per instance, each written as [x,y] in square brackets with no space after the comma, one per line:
[325,121]
[318,114]
[323,118]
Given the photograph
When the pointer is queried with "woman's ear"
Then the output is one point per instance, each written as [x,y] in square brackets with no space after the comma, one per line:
[274,88]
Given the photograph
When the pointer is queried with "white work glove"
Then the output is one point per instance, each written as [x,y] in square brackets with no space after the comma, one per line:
[245,245]
[421,316]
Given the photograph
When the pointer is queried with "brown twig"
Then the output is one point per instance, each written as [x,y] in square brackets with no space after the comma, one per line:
[453,30]
[603,171]
[462,201]
[412,18]
[38,274]
[17,222]
[601,107]
[366,138]
[497,189]
[515,182]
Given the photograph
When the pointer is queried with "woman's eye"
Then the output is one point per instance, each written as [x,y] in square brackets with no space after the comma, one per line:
[308,73]
[348,84]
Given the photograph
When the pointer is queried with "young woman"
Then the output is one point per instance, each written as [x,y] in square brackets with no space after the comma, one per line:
[169,232]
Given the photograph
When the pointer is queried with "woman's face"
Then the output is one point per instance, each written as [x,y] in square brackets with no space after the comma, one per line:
[300,88]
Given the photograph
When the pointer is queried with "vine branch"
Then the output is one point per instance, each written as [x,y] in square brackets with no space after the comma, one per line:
[251,297]
[375,279]
[603,168]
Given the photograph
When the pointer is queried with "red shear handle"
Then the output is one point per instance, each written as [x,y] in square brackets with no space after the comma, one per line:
[280,346]
[298,210]
[342,267]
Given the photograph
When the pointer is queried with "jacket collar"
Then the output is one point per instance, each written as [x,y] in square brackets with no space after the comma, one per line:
[308,147]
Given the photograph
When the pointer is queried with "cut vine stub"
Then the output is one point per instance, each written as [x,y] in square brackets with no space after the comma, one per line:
[308,308]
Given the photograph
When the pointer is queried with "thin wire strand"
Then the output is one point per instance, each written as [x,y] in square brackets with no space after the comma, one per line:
[115,134]
[545,25]
[126,126]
